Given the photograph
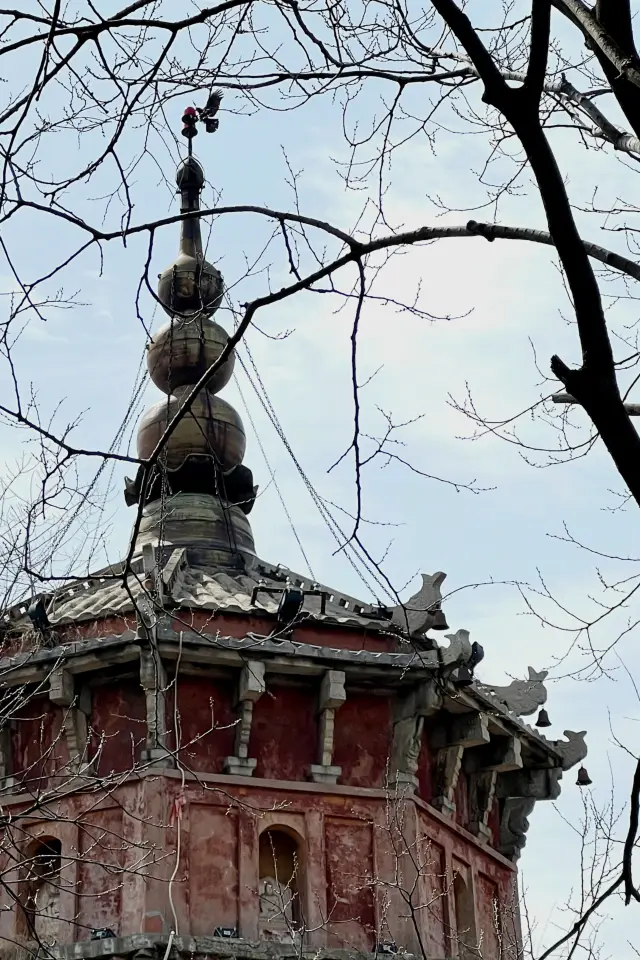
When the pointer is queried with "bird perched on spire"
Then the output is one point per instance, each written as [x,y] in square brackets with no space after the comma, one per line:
[208,113]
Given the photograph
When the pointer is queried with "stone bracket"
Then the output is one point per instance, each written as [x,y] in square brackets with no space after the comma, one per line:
[530,784]
[61,687]
[482,789]
[502,755]
[469,730]
[408,729]
[251,686]
[514,824]
[332,696]
[448,763]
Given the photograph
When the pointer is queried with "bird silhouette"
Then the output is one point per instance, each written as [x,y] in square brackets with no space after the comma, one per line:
[213,104]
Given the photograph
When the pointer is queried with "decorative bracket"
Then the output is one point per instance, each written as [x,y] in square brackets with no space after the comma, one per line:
[469,730]
[514,825]
[532,784]
[448,763]
[482,790]
[423,610]
[332,696]
[522,697]
[250,689]
[407,732]
[519,791]
[572,750]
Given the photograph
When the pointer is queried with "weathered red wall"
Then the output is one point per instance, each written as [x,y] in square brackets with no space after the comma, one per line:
[433,869]
[494,822]
[461,797]
[118,725]
[317,633]
[37,748]
[362,740]
[350,871]
[213,868]
[100,857]
[206,723]
[489,907]
[284,733]
[425,771]
[346,836]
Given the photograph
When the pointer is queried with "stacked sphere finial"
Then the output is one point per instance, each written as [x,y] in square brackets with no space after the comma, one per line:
[185,347]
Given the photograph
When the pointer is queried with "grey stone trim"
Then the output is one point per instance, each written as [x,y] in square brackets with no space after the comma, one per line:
[222,947]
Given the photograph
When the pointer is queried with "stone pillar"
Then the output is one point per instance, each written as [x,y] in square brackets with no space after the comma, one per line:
[332,696]
[250,689]
[315,875]
[7,780]
[75,721]
[248,875]
[153,679]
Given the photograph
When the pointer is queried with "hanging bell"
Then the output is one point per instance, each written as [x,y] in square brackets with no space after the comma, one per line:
[543,719]
[439,620]
[583,778]
[465,676]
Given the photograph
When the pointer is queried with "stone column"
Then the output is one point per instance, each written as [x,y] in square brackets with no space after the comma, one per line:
[153,679]
[250,689]
[76,712]
[332,696]
[7,780]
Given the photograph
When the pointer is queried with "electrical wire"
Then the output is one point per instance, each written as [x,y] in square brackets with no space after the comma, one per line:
[273,476]
[352,554]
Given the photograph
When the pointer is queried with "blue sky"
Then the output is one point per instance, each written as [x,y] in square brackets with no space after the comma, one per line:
[507,296]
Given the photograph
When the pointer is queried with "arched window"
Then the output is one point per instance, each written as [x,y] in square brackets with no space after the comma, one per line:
[465,919]
[279,886]
[41,885]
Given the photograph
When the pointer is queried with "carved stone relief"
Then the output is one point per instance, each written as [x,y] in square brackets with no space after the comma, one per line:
[522,697]
[408,729]
[418,614]
[514,825]
[573,750]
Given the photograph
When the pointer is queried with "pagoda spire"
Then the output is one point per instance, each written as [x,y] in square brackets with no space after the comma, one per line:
[201,467]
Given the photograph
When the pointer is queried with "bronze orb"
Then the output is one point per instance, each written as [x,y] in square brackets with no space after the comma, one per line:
[210,428]
[190,285]
[183,350]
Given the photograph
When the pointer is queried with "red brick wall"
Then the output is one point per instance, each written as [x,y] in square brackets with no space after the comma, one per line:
[362,740]
[102,849]
[284,733]
[435,917]
[206,723]
[461,798]
[37,747]
[213,869]
[425,771]
[118,725]
[350,911]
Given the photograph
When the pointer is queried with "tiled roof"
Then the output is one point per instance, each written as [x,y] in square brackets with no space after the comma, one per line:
[202,588]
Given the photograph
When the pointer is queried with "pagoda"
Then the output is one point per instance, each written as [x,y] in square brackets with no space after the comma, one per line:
[204,754]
